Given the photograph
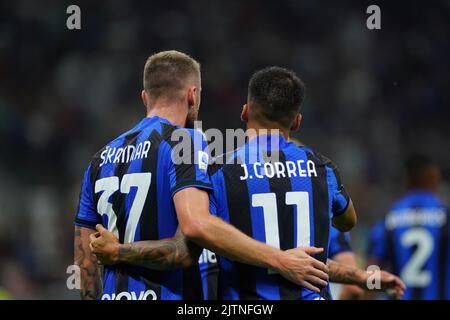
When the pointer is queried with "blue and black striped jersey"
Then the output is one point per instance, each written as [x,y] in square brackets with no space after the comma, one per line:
[413,239]
[339,242]
[209,270]
[128,187]
[285,203]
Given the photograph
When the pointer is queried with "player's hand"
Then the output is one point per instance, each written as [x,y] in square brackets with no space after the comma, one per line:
[104,245]
[392,284]
[299,267]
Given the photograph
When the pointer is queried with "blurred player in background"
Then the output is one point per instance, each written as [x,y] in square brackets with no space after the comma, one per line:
[341,251]
[413,238]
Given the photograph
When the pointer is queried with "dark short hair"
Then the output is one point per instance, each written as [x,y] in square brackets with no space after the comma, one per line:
[275,95]
[166,72]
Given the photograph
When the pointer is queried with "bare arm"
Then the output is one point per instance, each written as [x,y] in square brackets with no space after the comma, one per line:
[345,274]
[346,221]
[164,254]
[349,292]
[199,226]
[169,253]
[91,283]
[340,273]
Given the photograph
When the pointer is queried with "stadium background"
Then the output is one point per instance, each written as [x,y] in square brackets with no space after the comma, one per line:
[372,96]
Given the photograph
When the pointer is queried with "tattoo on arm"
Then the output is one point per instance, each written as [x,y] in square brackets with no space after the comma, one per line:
[91,283]
[162,254]
[344,274]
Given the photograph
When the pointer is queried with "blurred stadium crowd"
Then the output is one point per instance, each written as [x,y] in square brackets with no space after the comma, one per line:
[372,97]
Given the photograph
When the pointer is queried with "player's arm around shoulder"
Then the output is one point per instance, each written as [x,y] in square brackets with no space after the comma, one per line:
[213,233]
[168,253]
[164,254]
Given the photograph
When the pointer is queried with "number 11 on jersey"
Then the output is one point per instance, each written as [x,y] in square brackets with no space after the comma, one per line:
[268,202]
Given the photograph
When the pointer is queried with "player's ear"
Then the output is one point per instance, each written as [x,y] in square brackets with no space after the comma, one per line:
[296,124]
[144,97]
[244,113]
[192,96]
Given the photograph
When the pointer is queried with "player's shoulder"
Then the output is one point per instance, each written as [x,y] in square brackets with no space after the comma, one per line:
[96,160]
[174,133]
[220,162]
[168,130]
[97,155]
[109,144]
[117,142]
[318,158]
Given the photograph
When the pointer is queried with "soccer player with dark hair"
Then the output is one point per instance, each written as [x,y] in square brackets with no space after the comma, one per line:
[136,195]
[413,238]
[287,203]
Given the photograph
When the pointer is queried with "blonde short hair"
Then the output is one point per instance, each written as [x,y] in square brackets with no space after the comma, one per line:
[166,72]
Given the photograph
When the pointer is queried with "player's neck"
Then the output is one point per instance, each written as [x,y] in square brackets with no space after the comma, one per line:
[173,114]
[255,129]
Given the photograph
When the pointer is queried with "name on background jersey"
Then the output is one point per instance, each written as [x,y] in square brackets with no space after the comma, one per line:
[280,169]
[125,154]
[432,217]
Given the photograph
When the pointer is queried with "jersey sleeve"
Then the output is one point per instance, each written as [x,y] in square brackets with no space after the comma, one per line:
[86,215]
[189,162]
[339,197]
[339,243]
[213,204]
[215,196]
[218,195]
[377,249]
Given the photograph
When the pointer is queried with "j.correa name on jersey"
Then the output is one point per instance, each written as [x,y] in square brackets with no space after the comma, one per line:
[125,154]
[299,168]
